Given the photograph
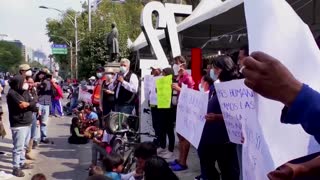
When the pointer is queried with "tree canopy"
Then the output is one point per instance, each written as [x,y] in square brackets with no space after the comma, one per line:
[10,56]
[92,48]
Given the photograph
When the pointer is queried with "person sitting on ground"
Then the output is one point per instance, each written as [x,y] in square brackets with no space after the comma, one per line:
[96,170]
[91,117]
[113,165]
[156,168]
[101,143]
[39,176]
[76,137]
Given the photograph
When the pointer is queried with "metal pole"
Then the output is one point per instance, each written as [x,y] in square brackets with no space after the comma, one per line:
[76,44]
[71,55]
[89,4]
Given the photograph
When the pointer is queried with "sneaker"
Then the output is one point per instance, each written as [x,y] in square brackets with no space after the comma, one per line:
[173,163]
[26,166]
[18,172]
[160,151]
[45,141]
[167,155]
[198,177]
[179,167]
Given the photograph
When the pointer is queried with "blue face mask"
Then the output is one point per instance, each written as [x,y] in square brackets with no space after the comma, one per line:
[201,89]
[212,75]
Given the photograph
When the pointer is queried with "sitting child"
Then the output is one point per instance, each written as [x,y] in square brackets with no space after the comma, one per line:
[113,166]
[76,137]
[91,117]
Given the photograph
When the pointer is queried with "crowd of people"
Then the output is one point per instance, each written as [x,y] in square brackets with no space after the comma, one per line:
[32,97]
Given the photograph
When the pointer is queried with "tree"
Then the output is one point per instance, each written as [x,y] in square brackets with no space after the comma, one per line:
[10,56]
[93,50]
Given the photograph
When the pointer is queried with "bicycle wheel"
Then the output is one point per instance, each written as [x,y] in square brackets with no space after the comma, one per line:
[128,164]
[118,147]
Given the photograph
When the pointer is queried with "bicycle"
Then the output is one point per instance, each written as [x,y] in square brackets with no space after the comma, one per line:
[124,144]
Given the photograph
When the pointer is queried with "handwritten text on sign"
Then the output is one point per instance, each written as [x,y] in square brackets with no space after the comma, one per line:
[192,107]
[237,103]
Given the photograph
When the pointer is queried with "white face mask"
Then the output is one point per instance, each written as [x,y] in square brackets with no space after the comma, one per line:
[109,76]
[25,86]
[29,73]
[176,68]
[212,75]
[99,75]
[201,89]
[123,69]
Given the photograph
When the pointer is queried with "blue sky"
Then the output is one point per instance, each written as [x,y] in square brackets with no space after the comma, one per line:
[24,21]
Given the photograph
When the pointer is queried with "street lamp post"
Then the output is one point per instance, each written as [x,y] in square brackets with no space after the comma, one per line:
[89,14]
[75,24]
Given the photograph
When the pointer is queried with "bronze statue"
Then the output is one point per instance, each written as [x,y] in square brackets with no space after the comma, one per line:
[113,43]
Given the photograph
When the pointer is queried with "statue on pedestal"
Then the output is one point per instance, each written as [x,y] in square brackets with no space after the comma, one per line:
[113,43]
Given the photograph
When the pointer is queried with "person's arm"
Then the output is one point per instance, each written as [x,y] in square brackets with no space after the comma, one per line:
[76,130]
[214,117]
[305,110]
[132,85]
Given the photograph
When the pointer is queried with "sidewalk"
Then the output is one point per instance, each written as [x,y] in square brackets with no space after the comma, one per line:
[61,160]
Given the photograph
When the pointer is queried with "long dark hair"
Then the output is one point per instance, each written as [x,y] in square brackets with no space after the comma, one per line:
[74,124]
[156,168]
[228,68]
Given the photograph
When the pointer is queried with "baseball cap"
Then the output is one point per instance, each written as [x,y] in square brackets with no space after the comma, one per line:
[92,78]
[155,66]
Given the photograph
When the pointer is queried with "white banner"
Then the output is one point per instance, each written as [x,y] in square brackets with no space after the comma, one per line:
[191,111]
[275,28]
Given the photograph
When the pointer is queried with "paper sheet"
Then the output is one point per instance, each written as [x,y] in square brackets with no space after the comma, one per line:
[274,28]
[191,110]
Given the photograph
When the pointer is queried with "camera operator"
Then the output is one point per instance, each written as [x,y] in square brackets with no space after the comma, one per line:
[43,82]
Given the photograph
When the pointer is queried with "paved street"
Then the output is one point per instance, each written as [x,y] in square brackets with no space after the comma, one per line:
[61,160]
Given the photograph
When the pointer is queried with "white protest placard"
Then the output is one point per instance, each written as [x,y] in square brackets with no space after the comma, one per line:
[85,96]
[275,28]
[153,94]
[191,110]
[237,104]
[147,80]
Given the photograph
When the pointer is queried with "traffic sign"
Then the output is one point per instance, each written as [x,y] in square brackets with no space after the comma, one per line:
[59,49]
[59,46]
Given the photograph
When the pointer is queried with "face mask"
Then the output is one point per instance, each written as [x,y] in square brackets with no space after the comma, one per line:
[212,75]
[99,75]
[176,68]
[25,86]
[123,69]
[29,73]
[201,89]
[109,76]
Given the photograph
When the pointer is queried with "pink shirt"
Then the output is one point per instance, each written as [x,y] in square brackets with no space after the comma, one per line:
[187,80]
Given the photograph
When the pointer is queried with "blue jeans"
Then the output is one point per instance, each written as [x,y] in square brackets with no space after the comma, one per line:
[20,140]
[34,128]
[45,110]
[73,104]
[127,109]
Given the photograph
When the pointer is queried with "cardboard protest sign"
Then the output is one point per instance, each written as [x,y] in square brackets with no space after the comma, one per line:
[164,92]
[191,110]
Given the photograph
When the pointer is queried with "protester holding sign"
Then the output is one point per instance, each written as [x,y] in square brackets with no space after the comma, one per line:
[166,123]
[265,75]
[180,66]
[215,145]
